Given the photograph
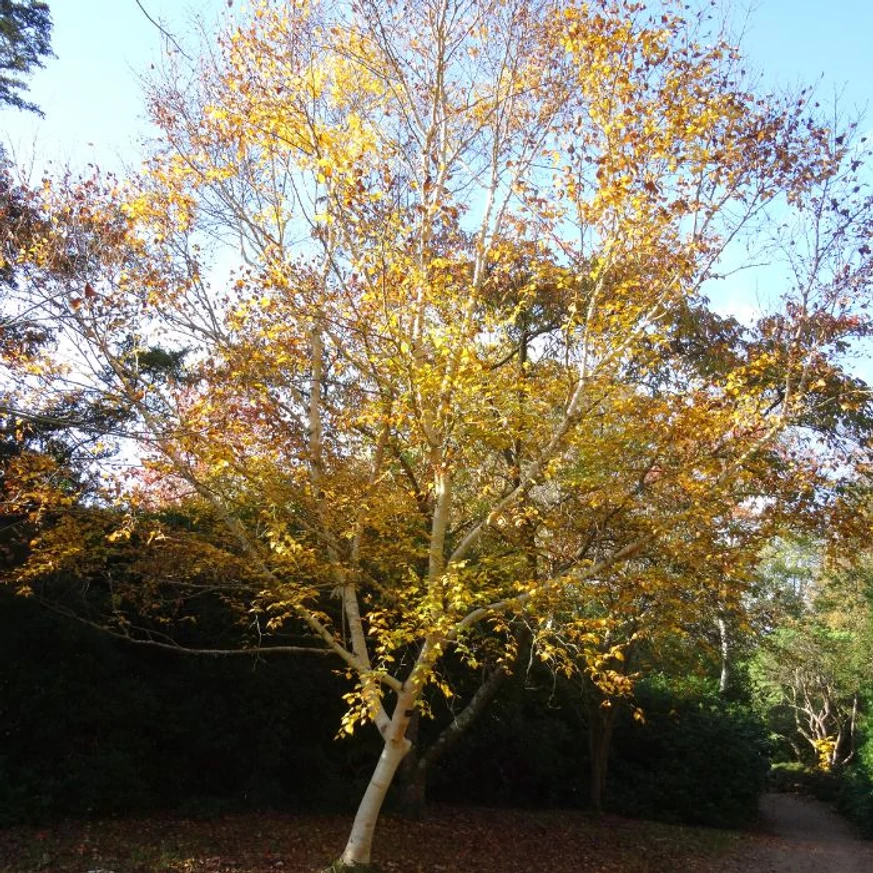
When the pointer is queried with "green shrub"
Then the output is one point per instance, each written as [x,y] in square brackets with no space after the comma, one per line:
[93,727]
[803,779]
[854,799]
[854,795]
[696,759]
[519,753]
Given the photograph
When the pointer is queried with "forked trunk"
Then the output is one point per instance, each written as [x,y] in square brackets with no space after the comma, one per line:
[359,847]
[419,764]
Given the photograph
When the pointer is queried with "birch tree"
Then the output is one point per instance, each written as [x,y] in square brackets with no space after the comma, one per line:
[425,261]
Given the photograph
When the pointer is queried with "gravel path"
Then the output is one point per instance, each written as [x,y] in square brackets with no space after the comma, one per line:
[802,835]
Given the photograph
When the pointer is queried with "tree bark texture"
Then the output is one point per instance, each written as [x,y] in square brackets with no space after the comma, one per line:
[600,723]
[360,844]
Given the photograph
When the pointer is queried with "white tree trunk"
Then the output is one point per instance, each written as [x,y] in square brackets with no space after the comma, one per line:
[359,846]
[725,646]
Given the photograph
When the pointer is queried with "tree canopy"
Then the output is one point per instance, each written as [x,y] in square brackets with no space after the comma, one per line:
[412,300]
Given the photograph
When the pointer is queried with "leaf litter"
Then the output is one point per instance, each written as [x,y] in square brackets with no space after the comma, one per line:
[450,840]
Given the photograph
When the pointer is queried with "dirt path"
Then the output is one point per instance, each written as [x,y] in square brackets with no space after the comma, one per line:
[802,835]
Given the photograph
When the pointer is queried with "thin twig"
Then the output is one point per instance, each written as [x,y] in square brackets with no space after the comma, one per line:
[166,33]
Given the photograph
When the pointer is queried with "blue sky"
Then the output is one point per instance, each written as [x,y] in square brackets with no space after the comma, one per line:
[91,92]
[92,97]
[807,40]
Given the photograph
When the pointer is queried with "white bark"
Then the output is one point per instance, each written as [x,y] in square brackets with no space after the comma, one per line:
[724,642]
[359,846]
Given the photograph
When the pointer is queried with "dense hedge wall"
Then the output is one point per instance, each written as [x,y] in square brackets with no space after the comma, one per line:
[697,759]
[90,726]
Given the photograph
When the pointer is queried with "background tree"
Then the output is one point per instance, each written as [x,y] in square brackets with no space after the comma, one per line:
[802,672]
[812,669]
[25,40]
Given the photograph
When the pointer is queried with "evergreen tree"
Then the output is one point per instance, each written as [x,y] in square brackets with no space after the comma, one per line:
[25,39]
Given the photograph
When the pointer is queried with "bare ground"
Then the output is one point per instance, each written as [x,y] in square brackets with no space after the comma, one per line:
[800,835]
[797,836]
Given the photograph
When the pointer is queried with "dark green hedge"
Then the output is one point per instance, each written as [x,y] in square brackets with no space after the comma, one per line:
[93,726]
[697,759]
[89,726]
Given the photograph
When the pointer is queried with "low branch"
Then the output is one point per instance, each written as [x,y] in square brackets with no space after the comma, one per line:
[177,648]
[485,693]
[477,704]
[220,653]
